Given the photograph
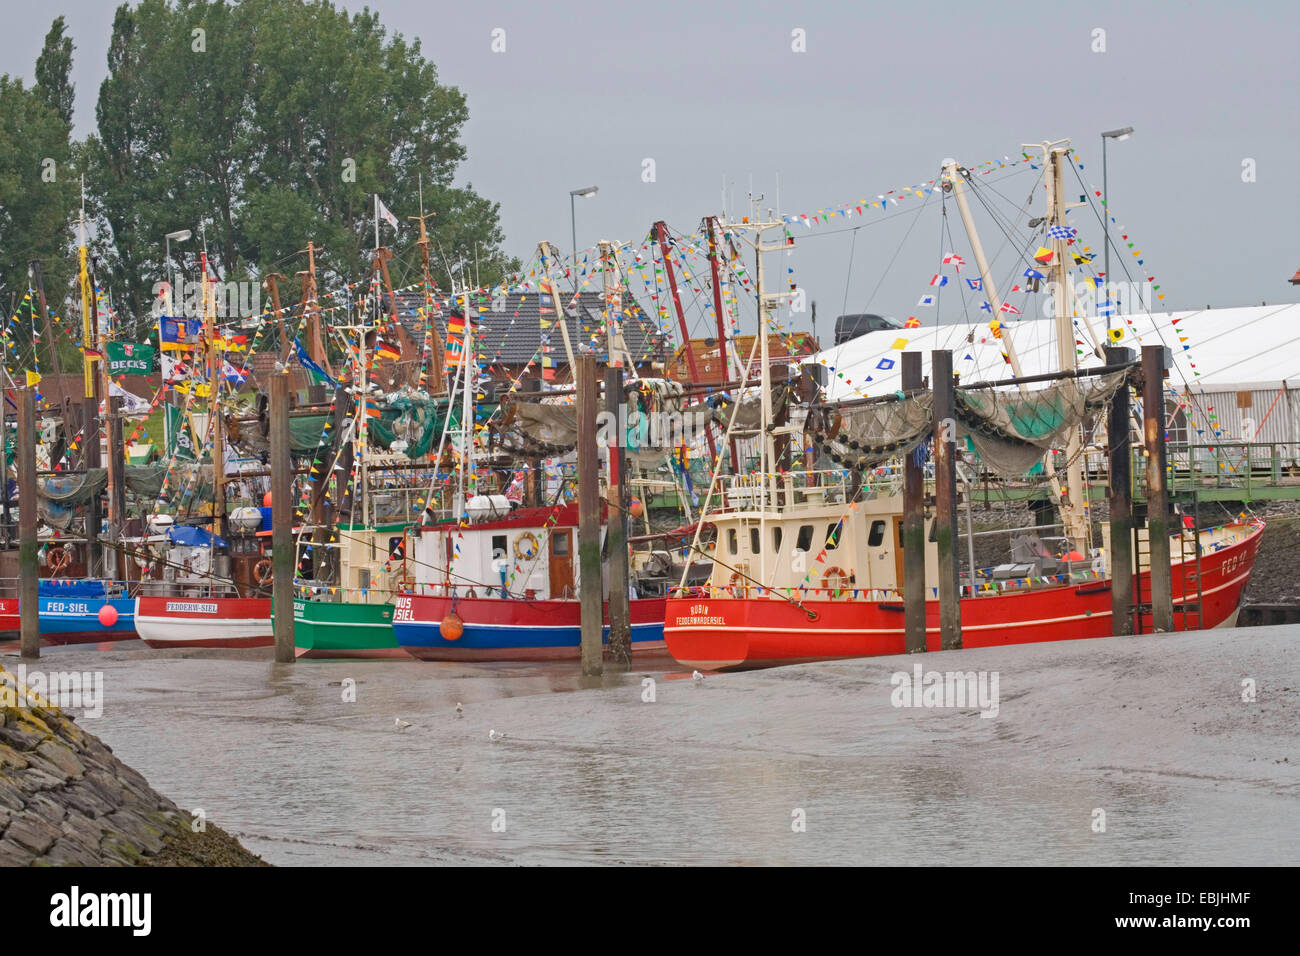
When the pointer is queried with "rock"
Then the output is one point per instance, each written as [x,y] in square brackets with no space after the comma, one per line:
[31,833]
[61,757]
[82,800]
[130,825]
[11,854]
[20,740]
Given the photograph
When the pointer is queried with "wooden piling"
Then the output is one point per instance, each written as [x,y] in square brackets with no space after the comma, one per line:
[620,611]
[282,549]
[945,495]
[589,576]
[28,588]
[114,564]
[1153,414]
[1119,563]
[913,529]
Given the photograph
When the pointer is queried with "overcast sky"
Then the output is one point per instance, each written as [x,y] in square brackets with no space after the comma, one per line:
[584,93]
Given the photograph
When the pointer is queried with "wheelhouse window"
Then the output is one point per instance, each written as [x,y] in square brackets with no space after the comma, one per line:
[833,533]
[733,545]
[804,541]
[776,539]
[877,535]
[755,542]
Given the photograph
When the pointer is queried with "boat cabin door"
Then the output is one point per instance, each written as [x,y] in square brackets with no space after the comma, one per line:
[560,562]
[898,552]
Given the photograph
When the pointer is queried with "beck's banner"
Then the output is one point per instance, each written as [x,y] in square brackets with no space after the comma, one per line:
[130,358]
[180,441]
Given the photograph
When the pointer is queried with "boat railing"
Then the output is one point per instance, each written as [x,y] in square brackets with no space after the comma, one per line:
[988,587]
[150,588]
[49,587]
[754,491]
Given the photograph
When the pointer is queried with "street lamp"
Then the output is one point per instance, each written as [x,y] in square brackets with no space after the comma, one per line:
[1120,135]
[180,235]
[586,192]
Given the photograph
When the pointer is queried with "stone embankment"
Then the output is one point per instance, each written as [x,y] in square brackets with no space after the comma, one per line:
[65,799]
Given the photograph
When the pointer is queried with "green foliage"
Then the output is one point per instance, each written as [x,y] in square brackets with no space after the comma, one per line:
[253,142]
[54,71]
[38,193]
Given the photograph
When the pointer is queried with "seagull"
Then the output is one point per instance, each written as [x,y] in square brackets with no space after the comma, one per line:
[400,724]
[697,676]
[460,711]
[493,735]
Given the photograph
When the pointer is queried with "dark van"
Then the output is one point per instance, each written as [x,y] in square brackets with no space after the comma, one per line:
[851,326]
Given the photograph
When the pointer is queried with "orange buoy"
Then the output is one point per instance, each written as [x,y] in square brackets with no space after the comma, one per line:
[107,615]
[635,508]
[266,500]
[451,628]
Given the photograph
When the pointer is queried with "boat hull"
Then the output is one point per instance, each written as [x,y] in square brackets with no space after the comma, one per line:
[499,629]
[323,629]
[75,620]
[10,622]
[204,622]
[721,633]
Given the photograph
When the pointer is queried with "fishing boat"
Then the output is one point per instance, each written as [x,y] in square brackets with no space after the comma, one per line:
[209,592]
[809,565]
[85,611]
[350,615]
[374,481]
[851,606]
[213,586]
[504,587]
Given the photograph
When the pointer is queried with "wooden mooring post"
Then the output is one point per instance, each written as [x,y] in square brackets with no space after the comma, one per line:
[589,576]
[913,528]
[945,496]
[28,589]
[283,559]
[620,610]
[1119,562]
[1154,363]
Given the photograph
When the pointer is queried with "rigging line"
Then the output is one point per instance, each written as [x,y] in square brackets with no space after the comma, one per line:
[889,265]
[1088,194]
[849,275]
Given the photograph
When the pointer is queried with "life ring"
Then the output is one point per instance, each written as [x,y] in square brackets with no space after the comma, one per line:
[535,546]
[737,584]
[59,560]
[262,572]
[835,572]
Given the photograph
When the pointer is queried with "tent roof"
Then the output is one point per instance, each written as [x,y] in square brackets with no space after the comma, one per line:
[1240,346]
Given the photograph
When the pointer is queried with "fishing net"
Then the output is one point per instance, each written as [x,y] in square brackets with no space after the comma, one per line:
[864,436]
[1012,431]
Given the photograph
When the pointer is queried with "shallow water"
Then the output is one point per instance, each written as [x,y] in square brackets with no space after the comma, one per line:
[1150,730]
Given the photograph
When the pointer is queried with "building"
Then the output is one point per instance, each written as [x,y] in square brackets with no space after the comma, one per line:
[519,339]
[785,351]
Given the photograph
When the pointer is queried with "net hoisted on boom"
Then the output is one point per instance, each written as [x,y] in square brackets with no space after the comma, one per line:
[1010,430]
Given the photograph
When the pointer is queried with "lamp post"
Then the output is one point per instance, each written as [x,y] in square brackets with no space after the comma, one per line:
[586,192]
[180,235]
[1120,134]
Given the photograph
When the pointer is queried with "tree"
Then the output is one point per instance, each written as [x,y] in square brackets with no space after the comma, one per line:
[275,125]
[38,192]
[53,72]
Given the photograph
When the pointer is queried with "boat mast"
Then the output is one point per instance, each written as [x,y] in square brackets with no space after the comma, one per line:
[547,252]
[955,177]
[1074,508]
[214,415]
[767,459]
[469,369]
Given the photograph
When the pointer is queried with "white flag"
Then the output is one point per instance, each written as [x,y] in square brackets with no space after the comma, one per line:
[386,213]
